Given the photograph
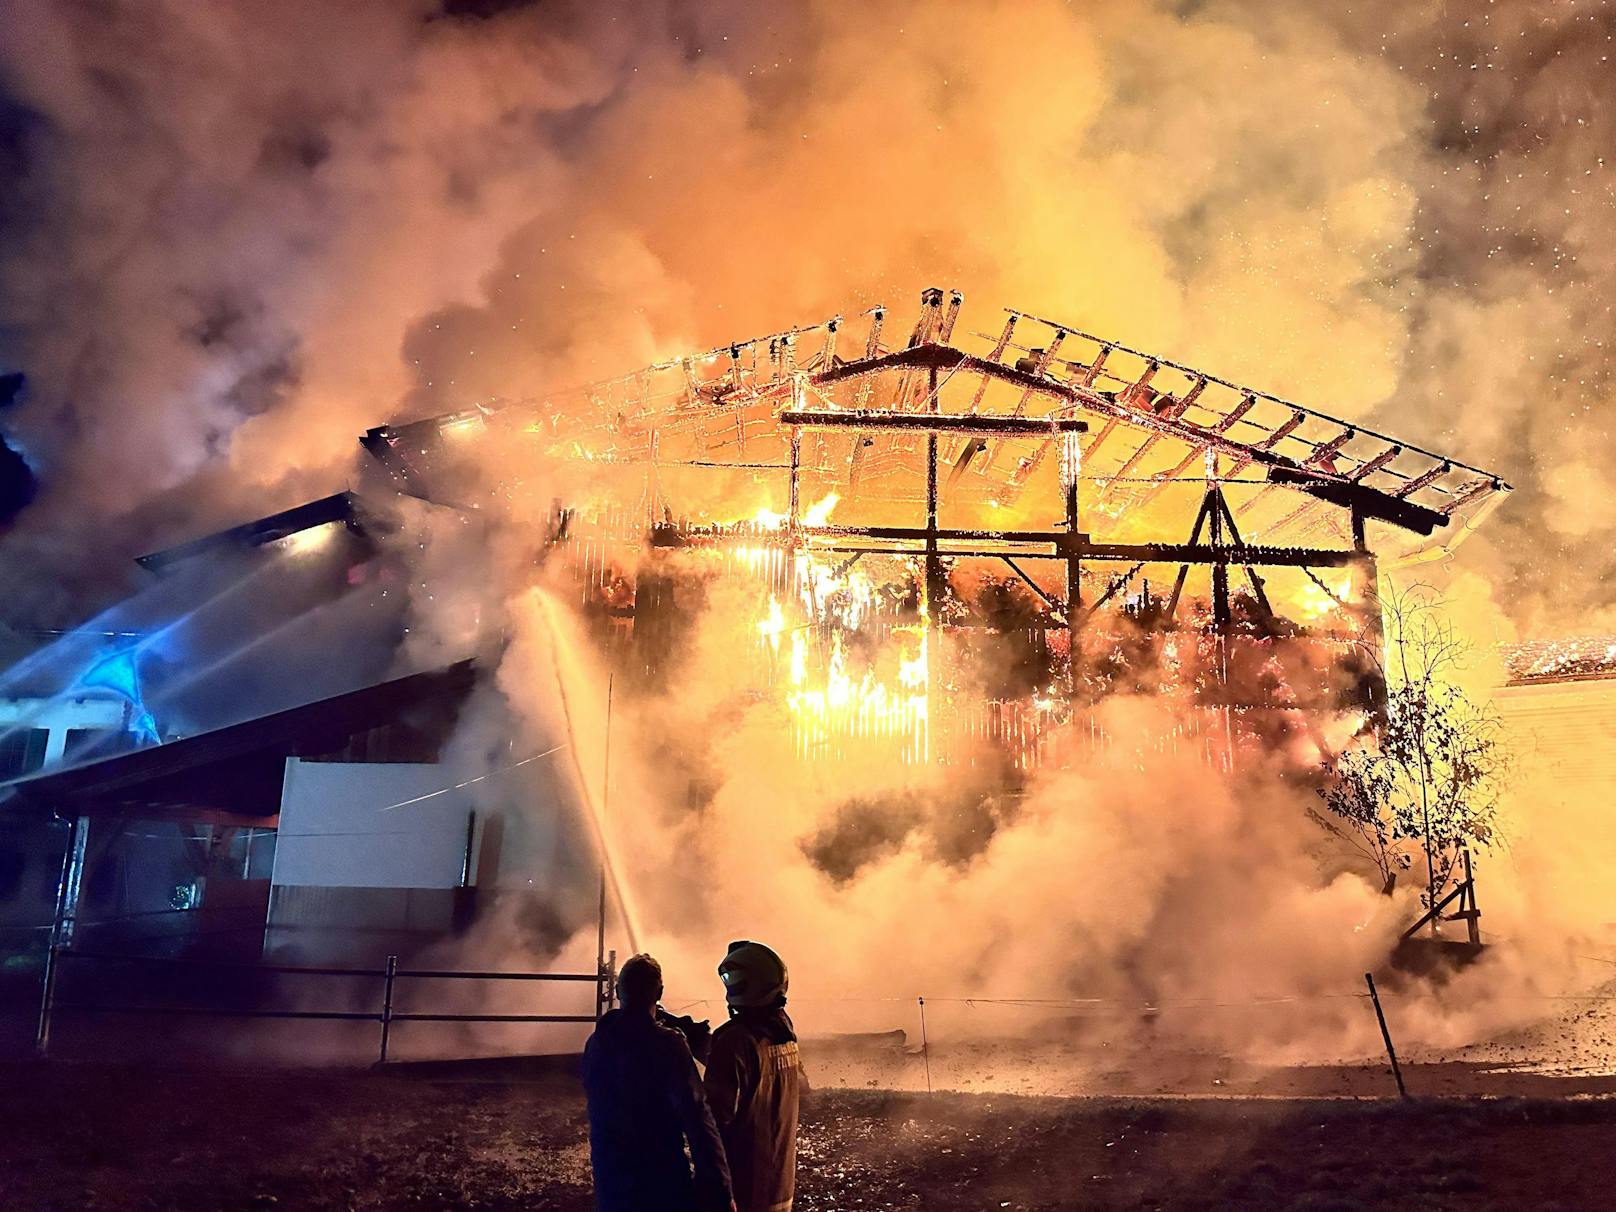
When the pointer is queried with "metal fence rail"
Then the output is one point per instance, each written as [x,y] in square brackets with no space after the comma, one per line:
[604,980]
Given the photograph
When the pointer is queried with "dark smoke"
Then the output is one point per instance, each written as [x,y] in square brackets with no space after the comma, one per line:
[18,485]
[949,824]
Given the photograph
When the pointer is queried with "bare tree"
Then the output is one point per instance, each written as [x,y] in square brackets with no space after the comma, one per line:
[1429,777]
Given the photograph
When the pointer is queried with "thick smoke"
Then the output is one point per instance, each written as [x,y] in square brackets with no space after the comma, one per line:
[1509,298]
[226,217]
[239,235]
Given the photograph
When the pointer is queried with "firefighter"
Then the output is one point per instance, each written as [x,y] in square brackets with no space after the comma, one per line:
[645,1102]
[754,1079]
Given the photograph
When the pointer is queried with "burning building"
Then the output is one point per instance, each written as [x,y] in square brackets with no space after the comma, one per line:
[963,536]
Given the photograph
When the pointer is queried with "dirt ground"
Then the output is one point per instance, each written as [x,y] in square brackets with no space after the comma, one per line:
[508,1135]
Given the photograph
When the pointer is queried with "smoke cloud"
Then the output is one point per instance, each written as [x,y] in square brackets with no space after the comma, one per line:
[238,236]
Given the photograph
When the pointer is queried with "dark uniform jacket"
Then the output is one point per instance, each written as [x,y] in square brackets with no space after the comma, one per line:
[754,1080]
[645,1102]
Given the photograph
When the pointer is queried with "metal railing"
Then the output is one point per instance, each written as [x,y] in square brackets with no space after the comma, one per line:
[604,979]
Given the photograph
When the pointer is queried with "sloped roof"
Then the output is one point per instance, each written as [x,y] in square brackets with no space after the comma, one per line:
[234,769]
[1153,423]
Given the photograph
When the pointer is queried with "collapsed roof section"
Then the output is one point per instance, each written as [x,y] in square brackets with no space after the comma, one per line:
[1297,475]
[341,507]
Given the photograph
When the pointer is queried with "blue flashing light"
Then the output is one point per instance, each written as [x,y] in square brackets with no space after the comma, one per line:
[119,672]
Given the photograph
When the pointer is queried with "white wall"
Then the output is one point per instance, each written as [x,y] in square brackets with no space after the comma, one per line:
[1565,730]
[346,825]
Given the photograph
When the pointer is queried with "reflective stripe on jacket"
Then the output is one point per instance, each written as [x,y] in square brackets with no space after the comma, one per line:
[754,1082]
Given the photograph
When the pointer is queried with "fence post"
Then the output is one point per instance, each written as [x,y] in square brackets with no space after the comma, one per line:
[1473,921]
[387,1004]
[925,1046]
[606,985]
[47,997]
[62,923]
[1397,1072]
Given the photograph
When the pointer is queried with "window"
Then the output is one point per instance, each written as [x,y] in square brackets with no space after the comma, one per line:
[252,852]
[22,751]
[400,741]
[92,744]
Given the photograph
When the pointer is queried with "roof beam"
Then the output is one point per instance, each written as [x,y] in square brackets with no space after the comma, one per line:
[1367,502]
[933,422]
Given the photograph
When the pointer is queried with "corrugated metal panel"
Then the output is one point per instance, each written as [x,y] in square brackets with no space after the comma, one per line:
[1566,730]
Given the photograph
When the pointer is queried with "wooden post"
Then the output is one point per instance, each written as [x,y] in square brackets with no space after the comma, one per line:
[1473,911]
[1368,608]
[1221,614]
[387,1005]
[936,590]
[1071,469]
[795,468]
[62,926]
[794,505]
[1385,1034]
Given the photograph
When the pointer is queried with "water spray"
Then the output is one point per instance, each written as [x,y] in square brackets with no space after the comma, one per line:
[593,805]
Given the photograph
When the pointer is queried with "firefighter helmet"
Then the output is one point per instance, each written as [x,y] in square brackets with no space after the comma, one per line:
[753,975]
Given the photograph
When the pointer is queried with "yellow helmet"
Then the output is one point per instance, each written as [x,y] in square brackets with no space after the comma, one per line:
[753,975]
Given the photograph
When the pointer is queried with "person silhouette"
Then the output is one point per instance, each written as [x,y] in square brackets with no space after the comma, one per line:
[646,1101]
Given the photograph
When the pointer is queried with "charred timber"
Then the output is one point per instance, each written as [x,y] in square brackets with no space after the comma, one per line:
[920,422]
[943,357]
[1065,546]
[1363,501]
[1204,377]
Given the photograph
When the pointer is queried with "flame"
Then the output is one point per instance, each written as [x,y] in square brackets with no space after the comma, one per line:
[819,512]
[767,519]
[774,625]
[756,559]
[831,706]
[832,700]
[816,514]
[1314,602]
